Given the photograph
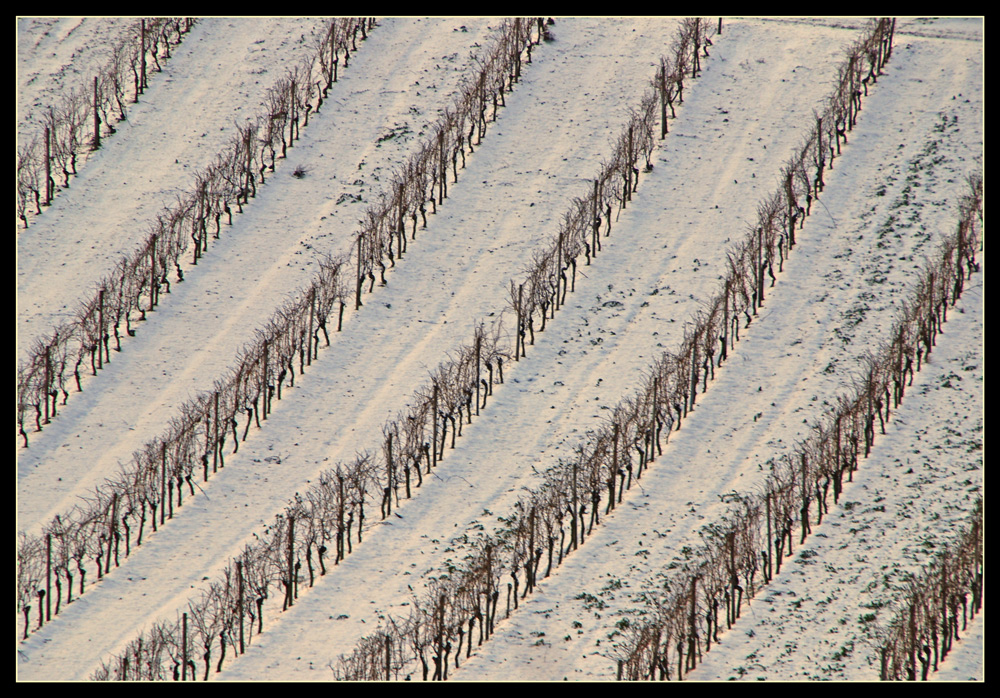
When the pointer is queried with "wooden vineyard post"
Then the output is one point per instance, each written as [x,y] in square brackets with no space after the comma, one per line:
[519,339]
[265,401]
[443,174]
[48,379]
[331,71]
[555,307]
[692,627]
[725,322]
[388,655]
[694,370]
[340,520]
[479,339]
[654,439]
[390,480]
[357,293]
[239,601]
[48,166]
[302,350]
[48,577]
[100,330]
[291,117]
[805,502]
[760,267]
[517,325]
[434,421]
[152,274]
[312,313]
[163,483]
[614,463]
[142,54]
[215,441]
[662,84]
[208,442]
[289,592]
[629,185]
[573,539]
[97,119]
[789,193]
[770,537]
[597,222]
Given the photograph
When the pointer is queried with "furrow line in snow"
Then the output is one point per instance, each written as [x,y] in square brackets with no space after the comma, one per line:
[913,28]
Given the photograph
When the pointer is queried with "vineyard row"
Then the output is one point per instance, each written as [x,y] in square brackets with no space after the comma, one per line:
[63,141]
[759,531]
[329,510]
[926,625]
[436,628]
[134,287]
[146,489]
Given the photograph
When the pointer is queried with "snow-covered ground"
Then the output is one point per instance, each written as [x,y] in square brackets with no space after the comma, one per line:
[220,73]
[824,317]
[816,619]
[887,201]
[56,55]
[197,330]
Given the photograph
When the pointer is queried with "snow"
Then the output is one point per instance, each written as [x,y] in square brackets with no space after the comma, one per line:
[57,55]
[221,71]
[789,355]
[235,288]
[887,201]
[917,487]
